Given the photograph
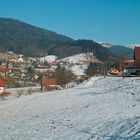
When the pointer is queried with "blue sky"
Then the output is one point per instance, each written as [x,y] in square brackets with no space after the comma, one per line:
[112,21]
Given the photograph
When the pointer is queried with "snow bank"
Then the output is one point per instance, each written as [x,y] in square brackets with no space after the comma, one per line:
[89,82]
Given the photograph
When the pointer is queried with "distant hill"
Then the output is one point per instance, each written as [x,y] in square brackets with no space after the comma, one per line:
[122,51]
[119,50]
[29,40]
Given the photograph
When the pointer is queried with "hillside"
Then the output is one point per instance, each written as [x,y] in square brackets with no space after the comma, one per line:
[79,63]
[26,39]
[99,109]
[29,40]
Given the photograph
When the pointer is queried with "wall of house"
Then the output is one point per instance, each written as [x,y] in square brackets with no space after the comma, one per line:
[137,57]
[1,90]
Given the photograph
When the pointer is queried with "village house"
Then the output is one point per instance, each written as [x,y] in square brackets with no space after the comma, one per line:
[49,84]
[115,71]
[41,69]
[2,86]
[128,63]
[132,67]
[136,61]
[3,71]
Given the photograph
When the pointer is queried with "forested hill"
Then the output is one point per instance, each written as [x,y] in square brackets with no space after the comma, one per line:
[29,40]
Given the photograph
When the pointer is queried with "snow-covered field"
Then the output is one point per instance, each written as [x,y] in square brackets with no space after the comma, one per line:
[98,109]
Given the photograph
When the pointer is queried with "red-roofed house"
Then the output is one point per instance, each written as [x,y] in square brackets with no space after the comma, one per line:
[136,61]
[128,63]
[2,86]
[49,83]
[132,67]
[3,70]
[115,71]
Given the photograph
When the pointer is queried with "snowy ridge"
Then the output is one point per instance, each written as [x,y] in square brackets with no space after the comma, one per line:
[106,45]
[49,58]
[81,58]
[99,109]
[132,46]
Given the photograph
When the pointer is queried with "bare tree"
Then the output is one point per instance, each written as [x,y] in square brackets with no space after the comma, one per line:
[63,76]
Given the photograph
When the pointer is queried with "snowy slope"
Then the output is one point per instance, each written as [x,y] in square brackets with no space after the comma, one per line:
[79,69]
[98,109]
[78,64]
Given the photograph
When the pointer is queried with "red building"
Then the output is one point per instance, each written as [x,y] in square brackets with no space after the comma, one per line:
[115,71]
[3,70]
[49,83]
[2,86]
[132,67]
[129,63]
[136,61]
[137,57]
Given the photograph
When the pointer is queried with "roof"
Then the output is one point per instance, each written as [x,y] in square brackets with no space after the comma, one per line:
[49,81]
[3,69]
[129,61]
[115,71]
[2,83]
